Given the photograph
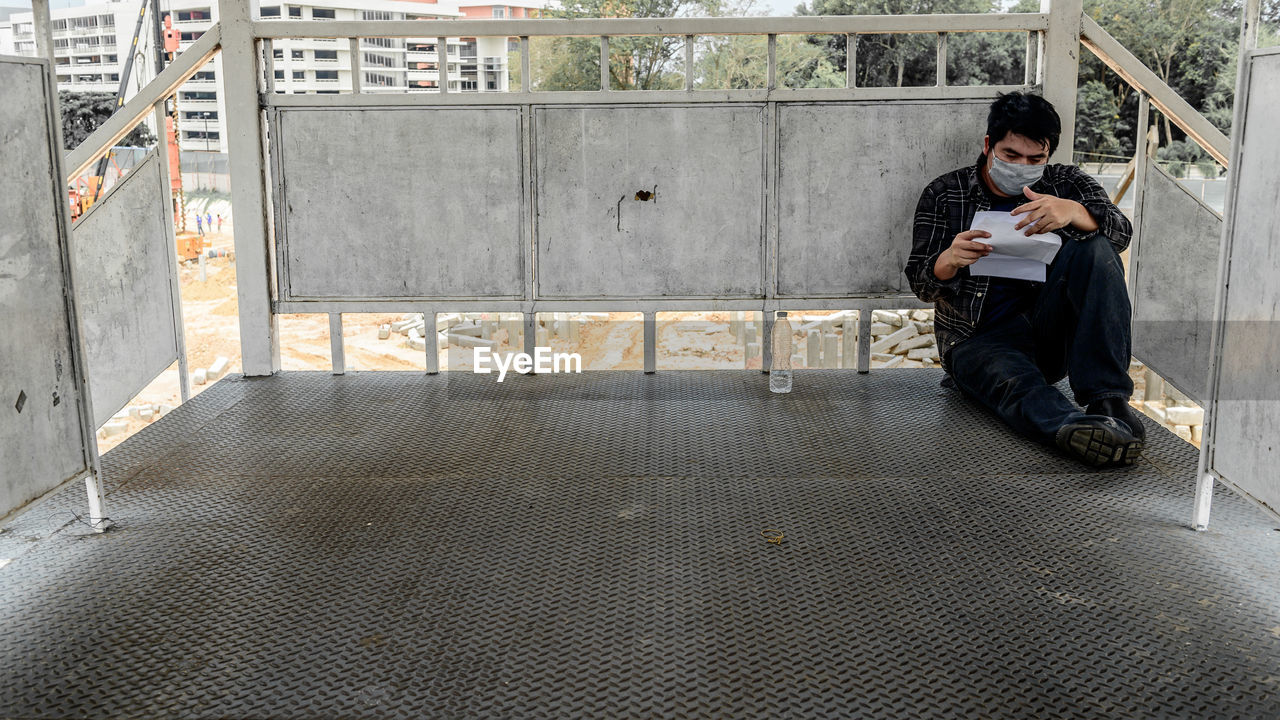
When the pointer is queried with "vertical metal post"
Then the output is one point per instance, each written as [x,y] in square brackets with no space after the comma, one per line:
[650,342]
[864,341]
[259,327]
[1061,61]
[688,62]
[530,332]
[337,356]
[268,73]
[526,82]
[772,83]
[942,60]
[42,26]
[175,291]
[432,337]
[355,65]
[1029,59]
[442,55]
[851,60]
[604,63]
[766,342]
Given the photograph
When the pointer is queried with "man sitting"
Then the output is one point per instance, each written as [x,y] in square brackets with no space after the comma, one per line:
[1005,342]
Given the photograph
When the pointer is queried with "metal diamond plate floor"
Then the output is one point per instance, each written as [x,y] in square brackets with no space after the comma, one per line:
[394,545]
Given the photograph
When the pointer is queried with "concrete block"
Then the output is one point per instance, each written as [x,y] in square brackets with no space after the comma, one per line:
[164,409]
[384,331]
[1197,433]
[849,346]
[893,361]
[813,349]
[146,414]
[830,350]
[924,328]
[886,316]
[466,328]
[753,349]
[924,353]
[417,342]
[415,333]
[879,328]
[1156,410]
[469,341]
[893,338]
[1181,415]
[442,341]
[1183,432]
[912,363]
[200,376]
[881,357]
[135,411]
[920,316]
[912,343]
[114,427]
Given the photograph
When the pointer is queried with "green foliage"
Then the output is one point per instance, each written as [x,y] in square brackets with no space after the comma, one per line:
[83,112]
[1180,154]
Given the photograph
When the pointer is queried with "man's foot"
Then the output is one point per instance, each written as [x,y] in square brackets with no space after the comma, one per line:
[1119,409]
[1099,441]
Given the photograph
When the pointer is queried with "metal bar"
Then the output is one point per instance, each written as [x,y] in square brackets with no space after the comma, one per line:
[864,341]
[942,60]
[432,336]
[42,26]
[1209,432]
[556,27]
[355,65]
[530,332]
[1028,59]
[259,327]
[1061,61]
[366,305]
[772,81]
[604,63]
[442,63]
[766,341]
[269,64]
[650,342]
[175,289]
[337,356]
[688,62]
[760,95]
[136,109]
[526,79]
[1166,99]
[851,60]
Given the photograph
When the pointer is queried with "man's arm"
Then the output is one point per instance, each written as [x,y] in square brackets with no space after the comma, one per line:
[1110,221]
[930,239]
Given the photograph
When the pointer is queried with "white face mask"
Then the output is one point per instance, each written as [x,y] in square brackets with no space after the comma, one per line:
[1010,177]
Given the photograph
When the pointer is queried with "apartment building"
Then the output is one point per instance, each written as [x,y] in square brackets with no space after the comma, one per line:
[91,42]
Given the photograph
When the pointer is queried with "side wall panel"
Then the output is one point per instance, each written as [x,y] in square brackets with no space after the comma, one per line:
[698,232]
[121,254]
[400,203]
[1175,283]
[41,442]
[850,175]
[1246,415]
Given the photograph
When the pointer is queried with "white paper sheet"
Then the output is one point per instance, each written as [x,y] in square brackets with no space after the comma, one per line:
[1013,254]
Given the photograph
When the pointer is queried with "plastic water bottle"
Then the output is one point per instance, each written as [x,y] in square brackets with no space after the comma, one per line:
[780,367]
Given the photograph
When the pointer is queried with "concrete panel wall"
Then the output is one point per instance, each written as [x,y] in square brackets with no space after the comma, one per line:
[121,254]
[1175,283]
[399,203]
[850,175]
[41,441]
[700,234]
[1246,414]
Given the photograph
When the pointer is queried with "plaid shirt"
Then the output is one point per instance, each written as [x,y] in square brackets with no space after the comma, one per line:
[946,209]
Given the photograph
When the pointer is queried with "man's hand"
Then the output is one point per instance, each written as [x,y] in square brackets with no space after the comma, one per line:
[1046,213]
[964,251]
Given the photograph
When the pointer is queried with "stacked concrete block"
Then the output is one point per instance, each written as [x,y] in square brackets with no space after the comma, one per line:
[907,335]
[218,368]
[113,427]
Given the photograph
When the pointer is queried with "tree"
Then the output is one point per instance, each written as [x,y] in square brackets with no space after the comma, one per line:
[83,112]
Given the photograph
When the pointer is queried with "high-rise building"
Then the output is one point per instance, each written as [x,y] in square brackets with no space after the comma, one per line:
[91,42]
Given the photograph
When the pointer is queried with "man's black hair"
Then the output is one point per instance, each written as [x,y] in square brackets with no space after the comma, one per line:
[1024,114]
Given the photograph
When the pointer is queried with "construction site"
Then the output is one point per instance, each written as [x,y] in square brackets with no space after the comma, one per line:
[248,467]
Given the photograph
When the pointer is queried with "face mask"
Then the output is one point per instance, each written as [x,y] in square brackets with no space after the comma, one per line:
[1010,177]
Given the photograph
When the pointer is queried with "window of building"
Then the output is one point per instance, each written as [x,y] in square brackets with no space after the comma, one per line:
[326,92]
[379,79]
[277,53]
[376,60]
[201,14]
[202,135]
[493,85]
[326,54]
[379,15]
[295,12]
[269,12]
[421,47]
[191,36]
[199,96]
[206,75]
[299,74]
[322,14]
[468,84]
[279,74]
[295,54]
[60,24]
[327,75]
[499,12]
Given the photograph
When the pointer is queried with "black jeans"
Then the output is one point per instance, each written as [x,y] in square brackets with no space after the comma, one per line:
[1079,327]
